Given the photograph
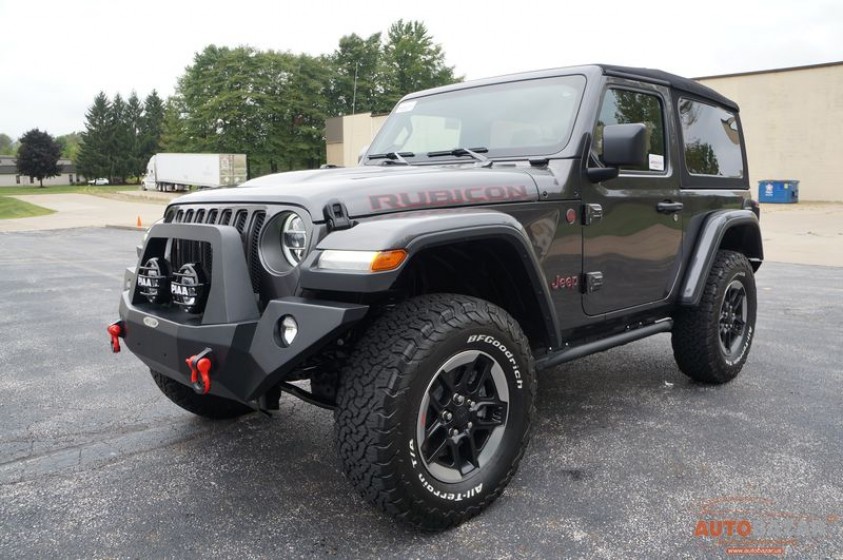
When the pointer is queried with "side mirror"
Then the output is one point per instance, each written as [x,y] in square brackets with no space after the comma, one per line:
[623,144]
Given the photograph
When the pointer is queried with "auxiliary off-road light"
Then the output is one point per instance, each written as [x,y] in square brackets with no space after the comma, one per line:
[362,261]
[189,288]
[154,280]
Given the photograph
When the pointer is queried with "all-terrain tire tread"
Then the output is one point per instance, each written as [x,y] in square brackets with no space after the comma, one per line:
[371,383]
[695,339]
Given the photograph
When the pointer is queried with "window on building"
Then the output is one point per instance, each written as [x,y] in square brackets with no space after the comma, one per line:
[711,139]
[622,106]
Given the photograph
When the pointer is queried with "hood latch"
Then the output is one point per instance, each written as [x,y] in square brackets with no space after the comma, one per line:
[336,215]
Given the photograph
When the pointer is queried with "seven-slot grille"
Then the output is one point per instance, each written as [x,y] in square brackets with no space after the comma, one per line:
[248,222]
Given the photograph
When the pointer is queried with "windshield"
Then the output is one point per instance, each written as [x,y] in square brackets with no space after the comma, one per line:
[525,118]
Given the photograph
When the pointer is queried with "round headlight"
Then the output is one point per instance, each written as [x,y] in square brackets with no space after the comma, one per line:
[293,238]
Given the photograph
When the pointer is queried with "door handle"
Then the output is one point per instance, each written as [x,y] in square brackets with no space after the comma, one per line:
[669,207]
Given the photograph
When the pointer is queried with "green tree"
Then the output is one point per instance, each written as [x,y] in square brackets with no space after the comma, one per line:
[174,137]
[411,62]
[135,163]
[6,145]
[69,145]
[93,159]
[119,155]
[356,83]
[38,156]
[269,105]
[152,126]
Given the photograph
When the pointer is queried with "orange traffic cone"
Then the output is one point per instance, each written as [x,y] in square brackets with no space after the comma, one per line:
[139,221]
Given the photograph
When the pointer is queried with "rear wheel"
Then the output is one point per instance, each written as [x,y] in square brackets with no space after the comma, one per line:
[208,406]
[711,341]
[434,409]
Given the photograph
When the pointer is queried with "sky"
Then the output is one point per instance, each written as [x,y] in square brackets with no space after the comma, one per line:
[56,56]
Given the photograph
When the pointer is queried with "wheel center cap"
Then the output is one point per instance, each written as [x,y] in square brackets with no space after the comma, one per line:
[461,416]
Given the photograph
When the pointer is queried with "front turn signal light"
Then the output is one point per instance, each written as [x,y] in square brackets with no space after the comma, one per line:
[388,260]
[361,261]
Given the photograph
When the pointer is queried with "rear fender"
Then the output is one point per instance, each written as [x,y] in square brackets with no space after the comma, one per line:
[737,230]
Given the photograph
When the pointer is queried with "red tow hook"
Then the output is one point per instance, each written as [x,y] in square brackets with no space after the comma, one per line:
[115,330]
[200,371]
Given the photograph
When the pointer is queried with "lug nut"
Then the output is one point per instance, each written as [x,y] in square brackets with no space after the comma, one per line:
[453,432]
[447,415]
[469,425]
[459,399]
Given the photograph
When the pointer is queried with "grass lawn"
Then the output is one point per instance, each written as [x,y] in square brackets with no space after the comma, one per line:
[66,189]
[13,208]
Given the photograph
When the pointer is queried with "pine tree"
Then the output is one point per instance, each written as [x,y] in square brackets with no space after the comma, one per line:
[94,158]
[134,125]
[119,155]
[152,127]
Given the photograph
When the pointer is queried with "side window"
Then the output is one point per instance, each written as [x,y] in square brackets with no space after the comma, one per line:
[711,139]
[622,106]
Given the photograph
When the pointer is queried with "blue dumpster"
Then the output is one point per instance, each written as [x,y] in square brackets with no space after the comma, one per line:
[782,191]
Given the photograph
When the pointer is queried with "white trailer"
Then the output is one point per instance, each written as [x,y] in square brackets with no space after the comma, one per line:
[179,172]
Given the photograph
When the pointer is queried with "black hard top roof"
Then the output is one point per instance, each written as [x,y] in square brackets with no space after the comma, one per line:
[641,74]
[666,78]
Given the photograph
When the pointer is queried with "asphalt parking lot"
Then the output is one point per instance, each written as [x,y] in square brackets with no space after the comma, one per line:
[627,456]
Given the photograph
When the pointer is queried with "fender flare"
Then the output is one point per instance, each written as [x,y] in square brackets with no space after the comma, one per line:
[709,240]
[419,231]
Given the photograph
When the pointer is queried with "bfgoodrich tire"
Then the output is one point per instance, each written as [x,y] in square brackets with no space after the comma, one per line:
[711,341]
[434,409]
[207,406]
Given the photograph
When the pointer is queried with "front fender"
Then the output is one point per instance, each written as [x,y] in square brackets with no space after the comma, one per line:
[418,231]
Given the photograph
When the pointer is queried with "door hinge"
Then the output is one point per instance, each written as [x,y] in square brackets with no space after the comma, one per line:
[593,281]
[592,214]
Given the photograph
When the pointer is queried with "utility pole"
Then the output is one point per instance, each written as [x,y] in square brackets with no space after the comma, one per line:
[354,91]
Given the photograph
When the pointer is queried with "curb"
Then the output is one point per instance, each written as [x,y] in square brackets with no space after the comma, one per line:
[130,228]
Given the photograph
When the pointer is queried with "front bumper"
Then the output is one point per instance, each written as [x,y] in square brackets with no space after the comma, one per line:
[248,355]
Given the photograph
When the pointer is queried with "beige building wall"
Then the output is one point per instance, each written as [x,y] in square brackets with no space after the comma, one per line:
[793,124]
[347,136]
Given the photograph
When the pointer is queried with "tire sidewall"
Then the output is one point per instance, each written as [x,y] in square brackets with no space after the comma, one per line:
[477,485]
[744,275]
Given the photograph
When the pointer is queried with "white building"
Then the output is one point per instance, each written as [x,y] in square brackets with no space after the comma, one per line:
[9,174]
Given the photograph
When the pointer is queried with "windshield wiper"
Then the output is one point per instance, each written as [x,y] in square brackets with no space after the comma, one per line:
[393,157]
[459,152]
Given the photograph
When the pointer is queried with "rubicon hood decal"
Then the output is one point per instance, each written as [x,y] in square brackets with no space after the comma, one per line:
[376,190]
[449,197]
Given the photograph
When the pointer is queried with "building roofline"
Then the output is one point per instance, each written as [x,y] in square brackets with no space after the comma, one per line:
[772,70]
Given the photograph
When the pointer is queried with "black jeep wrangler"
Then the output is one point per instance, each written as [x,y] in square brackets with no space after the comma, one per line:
[495,228]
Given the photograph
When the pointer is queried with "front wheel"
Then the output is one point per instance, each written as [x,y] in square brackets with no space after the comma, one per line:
[434,409]
[711,341]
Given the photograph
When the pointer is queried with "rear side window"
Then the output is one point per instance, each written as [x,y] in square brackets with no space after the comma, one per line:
[711,138]
[622,106]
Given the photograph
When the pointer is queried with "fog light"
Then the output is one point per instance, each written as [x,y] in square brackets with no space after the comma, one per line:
[288,329]
[189,288]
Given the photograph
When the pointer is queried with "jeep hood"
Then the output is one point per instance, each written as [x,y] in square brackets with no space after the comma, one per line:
[372,190]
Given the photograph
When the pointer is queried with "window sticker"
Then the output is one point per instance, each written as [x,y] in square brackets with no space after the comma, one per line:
[656,162]
[405,107]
